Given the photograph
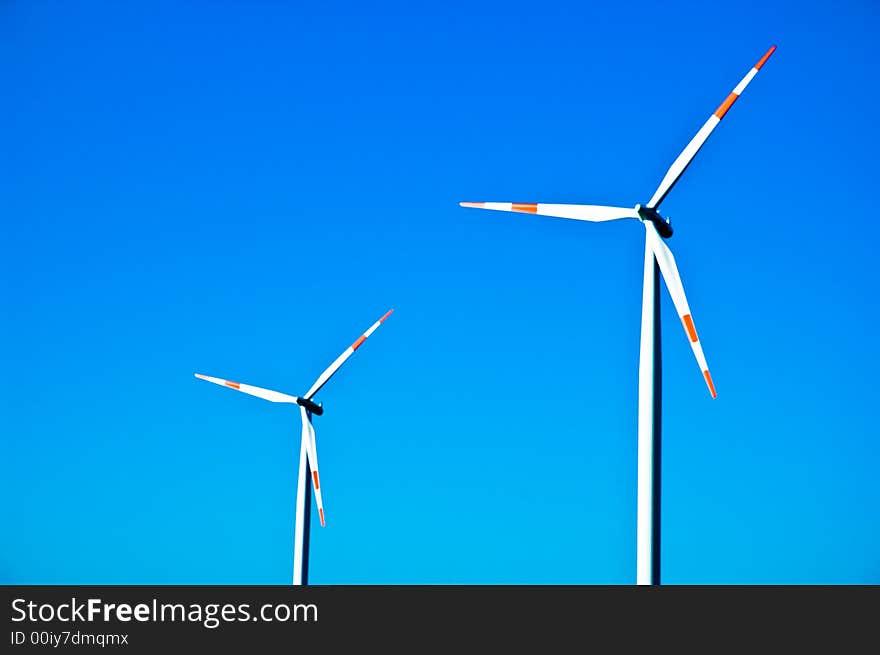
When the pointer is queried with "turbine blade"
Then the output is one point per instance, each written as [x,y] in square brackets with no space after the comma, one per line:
[330,370]
[259,392]
[676,289]
[684,159]
[594,213]
[308,436]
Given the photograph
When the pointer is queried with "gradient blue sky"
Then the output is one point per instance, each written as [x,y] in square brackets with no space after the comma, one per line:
[242,188]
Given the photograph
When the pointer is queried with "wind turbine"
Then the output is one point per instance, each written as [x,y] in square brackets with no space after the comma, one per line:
[308,451]
[657,255]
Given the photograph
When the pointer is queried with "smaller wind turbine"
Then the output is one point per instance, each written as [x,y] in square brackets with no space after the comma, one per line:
[308,452]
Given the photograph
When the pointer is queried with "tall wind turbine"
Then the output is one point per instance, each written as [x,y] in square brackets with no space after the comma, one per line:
[308,451]
[657,254]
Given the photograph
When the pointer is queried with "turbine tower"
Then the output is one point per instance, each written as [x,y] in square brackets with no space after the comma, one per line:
[308,451]
[658,256]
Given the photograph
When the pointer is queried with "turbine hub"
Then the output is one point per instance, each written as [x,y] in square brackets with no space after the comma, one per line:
[314,408]
[664,227]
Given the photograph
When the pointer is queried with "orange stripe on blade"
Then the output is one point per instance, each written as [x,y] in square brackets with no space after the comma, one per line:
[726,105]
[709,382]
[527,207]
[321,512]
[357,344]
[315,478]
[689,326]
[387,314]
[765,57]
[234,385]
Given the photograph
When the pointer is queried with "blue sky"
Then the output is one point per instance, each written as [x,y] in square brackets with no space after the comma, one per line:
[242,188]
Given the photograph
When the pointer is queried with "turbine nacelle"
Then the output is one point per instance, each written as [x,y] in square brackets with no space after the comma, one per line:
[663,225]
[312,407]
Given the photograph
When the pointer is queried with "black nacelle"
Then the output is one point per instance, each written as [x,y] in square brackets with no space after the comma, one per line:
[648,214]
[314,408]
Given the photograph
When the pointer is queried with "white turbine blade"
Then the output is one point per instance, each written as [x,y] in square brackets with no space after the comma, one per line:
[684,159]
[328,373]
[308,436]
[265,394]
[594,213]
[676,289]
